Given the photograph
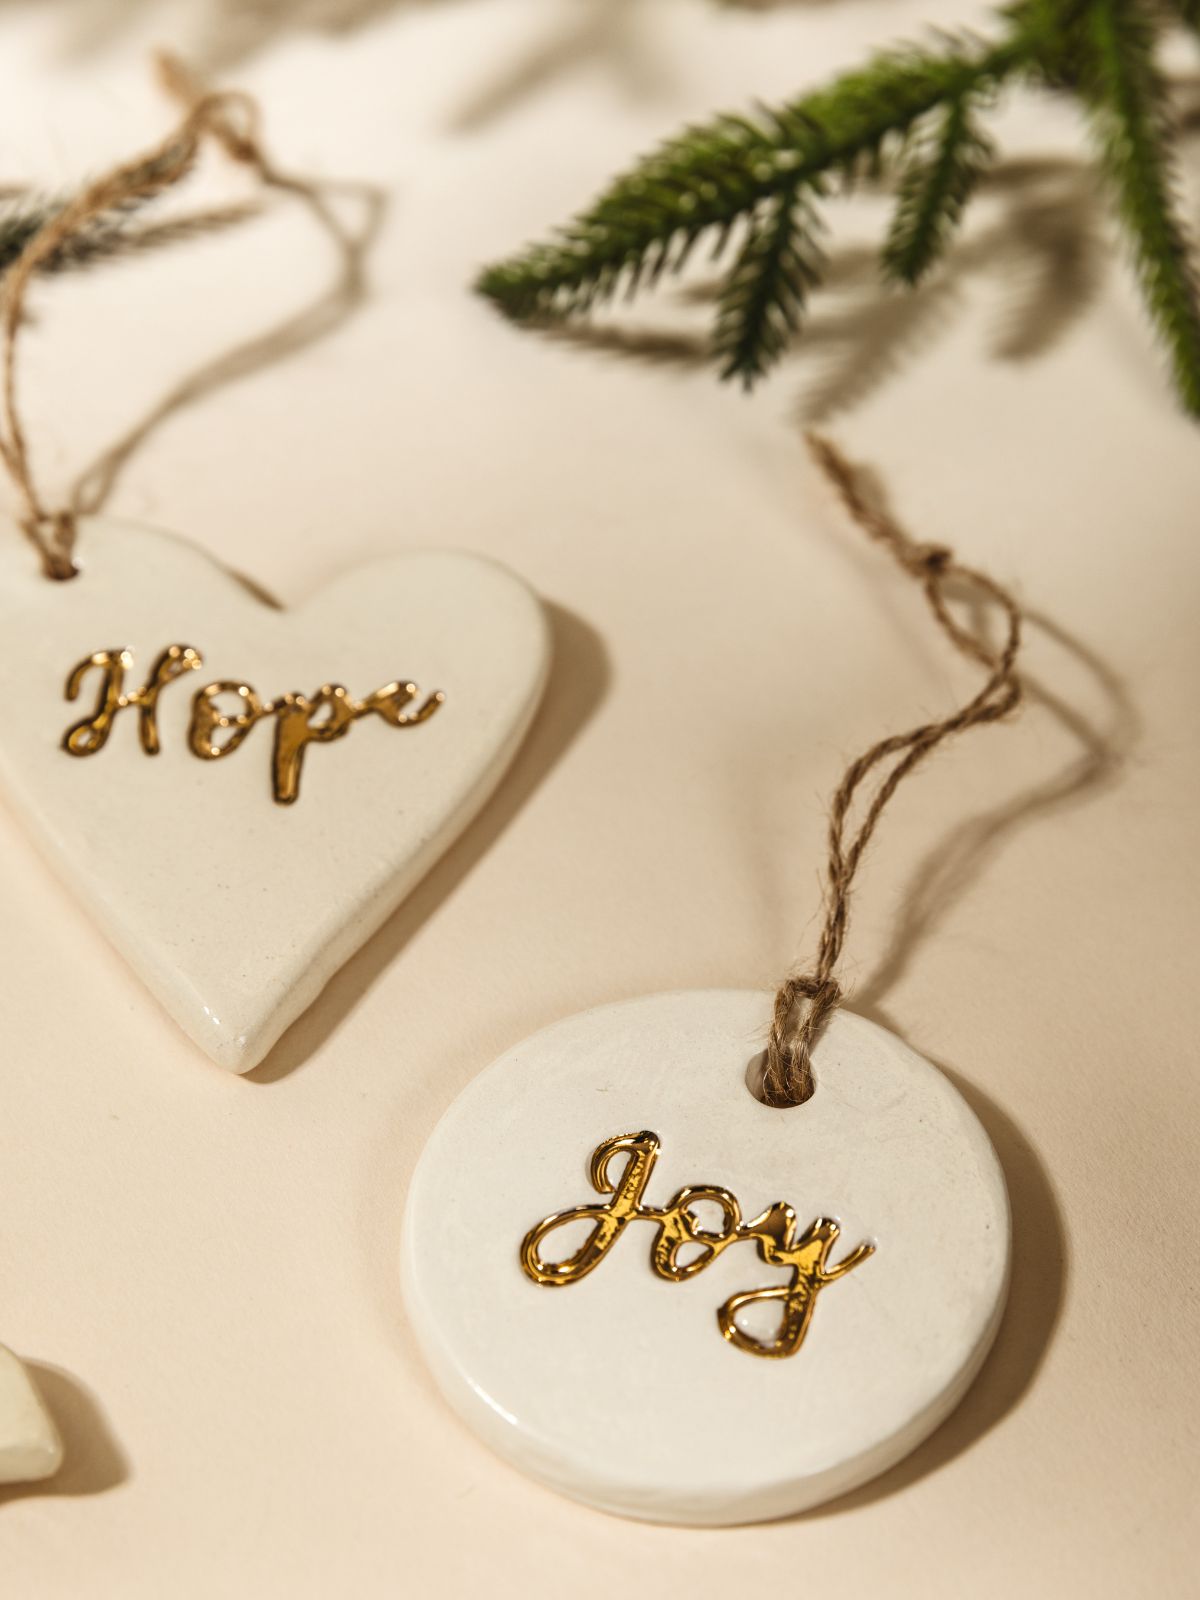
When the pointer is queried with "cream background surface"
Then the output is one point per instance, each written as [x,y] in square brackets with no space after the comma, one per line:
[204,1269]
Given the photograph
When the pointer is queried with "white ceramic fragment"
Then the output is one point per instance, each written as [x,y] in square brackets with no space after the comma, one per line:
[235,910]
[618,1388]
[30,1448]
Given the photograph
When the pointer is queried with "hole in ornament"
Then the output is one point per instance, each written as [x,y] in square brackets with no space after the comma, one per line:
[756,1072]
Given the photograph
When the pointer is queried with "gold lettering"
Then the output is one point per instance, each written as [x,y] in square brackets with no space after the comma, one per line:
[297,725]
[300,720]
[175,661]
[296,729]
[807,1257]
[208,718]
[608,1220]
[86,737]
[679,1229]
[389,703]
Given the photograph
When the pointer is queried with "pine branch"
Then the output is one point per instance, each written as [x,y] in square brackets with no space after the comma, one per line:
[21,219]
[109,233]
[934,189]
[764,293]
[1128,101]
[714,175]
[911,109]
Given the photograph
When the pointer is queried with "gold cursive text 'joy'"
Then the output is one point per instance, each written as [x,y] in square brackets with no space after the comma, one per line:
[300,720]
[774,1233]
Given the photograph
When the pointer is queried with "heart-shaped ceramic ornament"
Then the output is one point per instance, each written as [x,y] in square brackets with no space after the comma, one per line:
[241,795]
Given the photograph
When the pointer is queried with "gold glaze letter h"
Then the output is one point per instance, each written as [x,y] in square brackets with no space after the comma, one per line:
[84,738]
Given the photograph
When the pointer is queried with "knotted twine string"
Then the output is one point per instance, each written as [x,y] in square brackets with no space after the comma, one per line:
[228,117]
[805,1001]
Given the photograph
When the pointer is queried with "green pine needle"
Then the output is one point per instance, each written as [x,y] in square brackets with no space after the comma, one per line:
[764,293]
[22,218]
[935,186]
[19,221]
[1128,101]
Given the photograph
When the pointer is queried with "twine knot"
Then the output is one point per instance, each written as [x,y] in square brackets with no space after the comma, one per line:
[232,119]
[933,558]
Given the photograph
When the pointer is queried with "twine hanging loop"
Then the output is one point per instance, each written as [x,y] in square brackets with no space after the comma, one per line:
[230,119]
[805,1001]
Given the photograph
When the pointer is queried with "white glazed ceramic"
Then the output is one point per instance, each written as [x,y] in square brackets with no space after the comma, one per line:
[30,1448]
[619,1389]
[233,909]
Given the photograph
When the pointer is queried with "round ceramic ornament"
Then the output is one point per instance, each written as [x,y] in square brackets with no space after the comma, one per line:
[686,1278]
[658,1295]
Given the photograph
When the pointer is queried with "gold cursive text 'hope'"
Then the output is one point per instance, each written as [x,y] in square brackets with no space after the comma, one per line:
[774,1232]
[300,720]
